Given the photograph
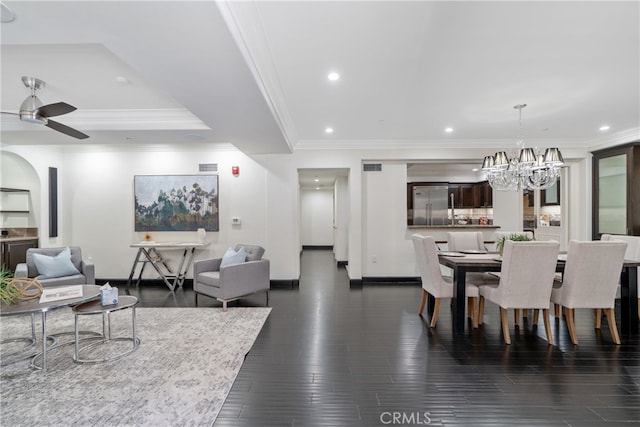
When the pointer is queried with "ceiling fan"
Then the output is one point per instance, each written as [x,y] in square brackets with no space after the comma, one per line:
[33,111]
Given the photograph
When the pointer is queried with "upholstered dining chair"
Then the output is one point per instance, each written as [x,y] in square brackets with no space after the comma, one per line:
[470,241]
[590,280]
[433,282]
[465,240]
[632,253]
[497,236]
[526,281]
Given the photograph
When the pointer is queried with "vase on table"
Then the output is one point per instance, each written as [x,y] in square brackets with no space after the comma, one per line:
[201,235]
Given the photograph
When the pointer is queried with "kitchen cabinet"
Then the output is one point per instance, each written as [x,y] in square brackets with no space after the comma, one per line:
[471,195]
[13,252]
[483,195]
[462,195]
[616,193]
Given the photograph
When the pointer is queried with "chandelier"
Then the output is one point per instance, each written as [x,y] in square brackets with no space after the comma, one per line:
[526,169]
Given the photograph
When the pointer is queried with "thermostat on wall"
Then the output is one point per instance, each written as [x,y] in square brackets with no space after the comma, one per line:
[235,220]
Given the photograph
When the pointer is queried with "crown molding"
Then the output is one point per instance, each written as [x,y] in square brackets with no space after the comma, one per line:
[618,138]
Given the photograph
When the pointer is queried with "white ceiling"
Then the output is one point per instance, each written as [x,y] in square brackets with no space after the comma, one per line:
[253,74]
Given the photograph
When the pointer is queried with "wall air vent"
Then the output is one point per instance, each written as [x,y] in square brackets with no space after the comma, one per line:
[372,167]
[208,167]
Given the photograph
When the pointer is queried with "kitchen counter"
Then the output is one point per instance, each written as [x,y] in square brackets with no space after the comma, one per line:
[439,232]
[17,239]
[464,226]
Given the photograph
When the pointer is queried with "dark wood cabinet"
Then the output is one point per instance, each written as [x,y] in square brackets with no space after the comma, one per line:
[471,195]
[616,190]
[14,252]
[484,198]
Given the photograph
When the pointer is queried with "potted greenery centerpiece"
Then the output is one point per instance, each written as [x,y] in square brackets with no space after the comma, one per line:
[8,292]
[17,289]
[516,237]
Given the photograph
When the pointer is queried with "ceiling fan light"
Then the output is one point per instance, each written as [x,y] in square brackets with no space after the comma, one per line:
[30,104]
[32,117]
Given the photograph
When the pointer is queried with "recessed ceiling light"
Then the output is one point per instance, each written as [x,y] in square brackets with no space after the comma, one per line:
[333,76]
[605,127]
[122,81]
[317,188]
[448,130]
[475,170]
[316,180]
[329,130]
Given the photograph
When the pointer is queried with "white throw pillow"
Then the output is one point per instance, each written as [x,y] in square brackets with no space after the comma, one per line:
[232,257]
[55,266]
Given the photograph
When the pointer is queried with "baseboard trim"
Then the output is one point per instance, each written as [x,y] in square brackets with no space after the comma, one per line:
[401,281]
[122,283]
[285,284]
[355,283]
[188,283]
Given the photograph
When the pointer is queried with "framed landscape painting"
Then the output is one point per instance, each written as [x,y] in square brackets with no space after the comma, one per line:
[176,202]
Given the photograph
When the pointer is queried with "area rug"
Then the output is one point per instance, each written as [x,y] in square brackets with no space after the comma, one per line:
[180,374]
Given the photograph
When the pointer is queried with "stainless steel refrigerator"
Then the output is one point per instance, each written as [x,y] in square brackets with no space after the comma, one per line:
[430,205]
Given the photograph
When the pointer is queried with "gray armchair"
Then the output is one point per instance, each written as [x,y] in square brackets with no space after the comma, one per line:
[234,281]
[86,269]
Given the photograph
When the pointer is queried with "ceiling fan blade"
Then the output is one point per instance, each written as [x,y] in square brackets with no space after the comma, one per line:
[66,129]
[57,109]
[7,112]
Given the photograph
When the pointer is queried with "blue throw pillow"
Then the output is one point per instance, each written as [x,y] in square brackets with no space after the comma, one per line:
[232,257]
[55,266]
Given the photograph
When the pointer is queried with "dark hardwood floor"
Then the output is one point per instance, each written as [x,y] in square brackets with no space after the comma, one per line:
[329,355]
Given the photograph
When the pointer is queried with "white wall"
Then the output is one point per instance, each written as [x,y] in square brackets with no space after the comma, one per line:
[507,210]
[341,215]
[387,250]
[96,202]
[317,217]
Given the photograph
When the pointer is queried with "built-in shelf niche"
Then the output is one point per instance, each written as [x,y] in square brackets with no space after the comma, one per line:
[14,201]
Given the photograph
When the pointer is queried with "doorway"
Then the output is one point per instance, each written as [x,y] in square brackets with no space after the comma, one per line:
[324,210]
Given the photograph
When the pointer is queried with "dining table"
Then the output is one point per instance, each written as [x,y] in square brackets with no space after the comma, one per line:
[461,264]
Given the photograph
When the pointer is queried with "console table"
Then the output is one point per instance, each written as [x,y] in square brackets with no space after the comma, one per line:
[151,253]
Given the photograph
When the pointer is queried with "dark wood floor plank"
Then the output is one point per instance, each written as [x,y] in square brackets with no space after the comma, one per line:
[329,355]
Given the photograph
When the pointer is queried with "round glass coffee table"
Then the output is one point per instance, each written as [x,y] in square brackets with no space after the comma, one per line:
[89,292]
[94,307]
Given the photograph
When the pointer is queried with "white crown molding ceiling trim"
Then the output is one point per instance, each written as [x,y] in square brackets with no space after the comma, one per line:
[146,119]
[197,147]
[273,98]
[614,139]
[433,143]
